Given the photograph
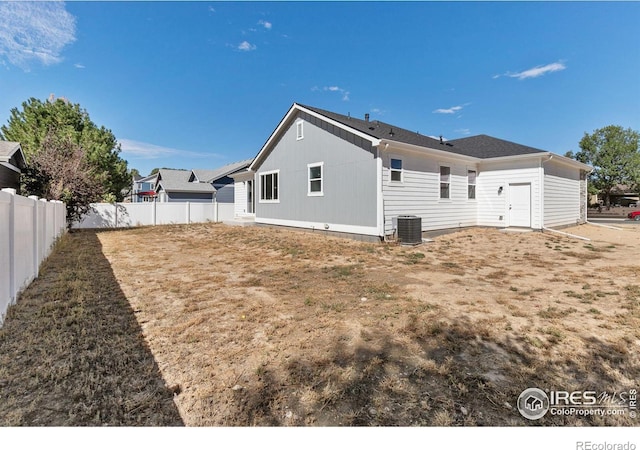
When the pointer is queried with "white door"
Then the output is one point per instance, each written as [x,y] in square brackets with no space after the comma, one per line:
[520,205]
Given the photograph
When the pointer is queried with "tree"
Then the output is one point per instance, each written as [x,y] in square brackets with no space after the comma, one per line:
[59,170]
[31,125]
[613,153]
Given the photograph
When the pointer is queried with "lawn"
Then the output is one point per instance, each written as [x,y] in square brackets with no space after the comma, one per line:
[211,325]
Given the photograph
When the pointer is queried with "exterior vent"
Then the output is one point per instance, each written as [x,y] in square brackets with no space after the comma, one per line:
[410,230]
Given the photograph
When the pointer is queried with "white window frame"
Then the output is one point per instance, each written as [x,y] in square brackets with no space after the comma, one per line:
[392,170]
[474,184]
[321,179]
[262,174]
[299,130]
[440,182]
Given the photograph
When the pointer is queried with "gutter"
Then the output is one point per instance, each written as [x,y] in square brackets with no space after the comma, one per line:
[429,151]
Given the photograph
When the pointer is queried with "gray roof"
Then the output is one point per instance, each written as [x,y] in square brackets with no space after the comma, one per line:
[210,176]
[173,180]
[481,146]
[8,150]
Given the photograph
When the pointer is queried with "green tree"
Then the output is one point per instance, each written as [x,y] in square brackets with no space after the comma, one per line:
[31,124]
[613,153]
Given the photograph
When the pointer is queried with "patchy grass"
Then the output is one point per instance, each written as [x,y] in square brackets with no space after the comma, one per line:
[214,325]
[72,352]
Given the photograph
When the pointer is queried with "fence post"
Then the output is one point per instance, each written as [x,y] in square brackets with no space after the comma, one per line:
[43,231]
[154,212]
[12,237]
[188,213]
[36,236]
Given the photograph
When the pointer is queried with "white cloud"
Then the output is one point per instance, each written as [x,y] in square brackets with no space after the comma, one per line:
[265,24]
[463,131]
[452,110]
[535,72]
[34,31]
[144,150]
[246,46]
[211,9]
[344,92]
[79,66]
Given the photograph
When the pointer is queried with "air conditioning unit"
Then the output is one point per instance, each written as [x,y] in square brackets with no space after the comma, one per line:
[410,230]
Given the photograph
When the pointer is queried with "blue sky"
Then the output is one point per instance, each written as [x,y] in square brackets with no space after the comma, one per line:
[201,84]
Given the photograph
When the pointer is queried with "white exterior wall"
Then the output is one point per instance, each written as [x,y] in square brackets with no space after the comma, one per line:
[28,229]
[561,194]
[493,207]
[240,199]
[419,192]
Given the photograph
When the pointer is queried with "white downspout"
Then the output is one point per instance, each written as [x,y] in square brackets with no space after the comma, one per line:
[380,191]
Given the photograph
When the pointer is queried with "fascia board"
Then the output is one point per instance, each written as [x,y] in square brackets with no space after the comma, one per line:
[10,166]
[544,157]
[374,141]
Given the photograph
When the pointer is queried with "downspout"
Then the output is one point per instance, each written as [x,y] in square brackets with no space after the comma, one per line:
[380,192]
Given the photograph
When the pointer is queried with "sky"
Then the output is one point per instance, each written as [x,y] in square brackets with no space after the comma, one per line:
[197,85]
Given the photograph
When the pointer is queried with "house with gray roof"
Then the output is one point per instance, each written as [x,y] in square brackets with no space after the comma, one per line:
[221,179]
[198,185]
[322,170]
[12,163]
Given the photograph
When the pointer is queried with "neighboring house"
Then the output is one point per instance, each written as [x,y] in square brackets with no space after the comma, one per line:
[12,163]
[174,186]
[220,179]
[198,185]
[144,189]
[322,170]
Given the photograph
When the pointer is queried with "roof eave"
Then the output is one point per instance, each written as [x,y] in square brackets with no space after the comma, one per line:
[243,175]
[545,156]
[428,150]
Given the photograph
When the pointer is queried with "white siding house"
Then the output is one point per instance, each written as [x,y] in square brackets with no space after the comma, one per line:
[327,171]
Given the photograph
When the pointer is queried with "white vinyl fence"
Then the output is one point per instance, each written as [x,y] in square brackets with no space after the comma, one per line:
[122,215]
[28,229]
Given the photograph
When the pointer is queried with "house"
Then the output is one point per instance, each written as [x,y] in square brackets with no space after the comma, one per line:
[174,186]
[221,179]
[327,171]
[143,188]
[198,185]
[12,163]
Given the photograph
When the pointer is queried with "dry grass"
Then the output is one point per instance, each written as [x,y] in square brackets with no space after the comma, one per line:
[263,326]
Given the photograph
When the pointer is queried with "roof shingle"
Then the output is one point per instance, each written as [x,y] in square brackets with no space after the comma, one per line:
[481,146]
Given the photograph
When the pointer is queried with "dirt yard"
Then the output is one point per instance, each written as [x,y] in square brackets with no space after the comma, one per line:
[211,325]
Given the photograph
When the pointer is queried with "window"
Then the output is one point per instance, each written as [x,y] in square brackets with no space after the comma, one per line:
[299,130]
[471,184]
[269,187]
[315,178]
[445,181]
[396,170]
